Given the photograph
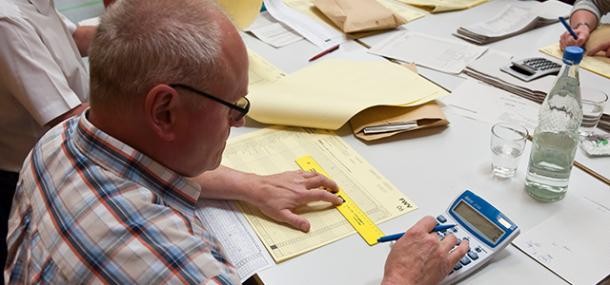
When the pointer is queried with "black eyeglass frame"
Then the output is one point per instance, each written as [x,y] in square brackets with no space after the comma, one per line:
[242,110]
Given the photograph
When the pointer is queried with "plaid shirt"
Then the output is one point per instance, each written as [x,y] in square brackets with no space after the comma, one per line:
[90,209]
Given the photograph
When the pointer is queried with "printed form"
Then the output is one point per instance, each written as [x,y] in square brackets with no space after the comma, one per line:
[275,150]
[573,242]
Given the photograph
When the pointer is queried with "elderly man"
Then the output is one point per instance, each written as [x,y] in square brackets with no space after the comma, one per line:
[109,197]
[584,20]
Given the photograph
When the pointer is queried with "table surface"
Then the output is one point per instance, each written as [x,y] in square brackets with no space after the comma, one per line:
[432,169]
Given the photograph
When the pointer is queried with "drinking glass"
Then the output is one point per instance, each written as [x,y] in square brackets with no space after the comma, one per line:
[593,102]
[507,144]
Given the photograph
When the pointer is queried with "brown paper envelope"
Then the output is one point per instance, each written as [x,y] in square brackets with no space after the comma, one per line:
[359,15]
[428,115]
[598,37]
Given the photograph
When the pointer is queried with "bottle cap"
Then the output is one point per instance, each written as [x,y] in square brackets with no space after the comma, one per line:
[573,54]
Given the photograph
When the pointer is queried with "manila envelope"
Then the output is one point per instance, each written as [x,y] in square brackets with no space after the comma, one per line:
[425,116]
[599,36]
[359,15]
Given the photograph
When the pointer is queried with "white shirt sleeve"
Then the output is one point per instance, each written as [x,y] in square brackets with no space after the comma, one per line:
[30,73]
[69,24]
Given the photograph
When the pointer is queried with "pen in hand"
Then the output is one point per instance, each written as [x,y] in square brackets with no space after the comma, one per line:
[567,26]
[393,237]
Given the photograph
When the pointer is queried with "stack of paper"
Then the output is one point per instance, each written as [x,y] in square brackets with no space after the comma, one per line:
[437,53]
[513,20]
[487,69]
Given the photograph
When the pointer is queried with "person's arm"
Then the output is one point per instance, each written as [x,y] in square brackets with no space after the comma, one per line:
[420,257]
[275,195]
[583,22]
[83,36]
[32,76]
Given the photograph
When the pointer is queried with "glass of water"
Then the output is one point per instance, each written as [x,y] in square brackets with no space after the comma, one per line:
[507,144]
[593,102]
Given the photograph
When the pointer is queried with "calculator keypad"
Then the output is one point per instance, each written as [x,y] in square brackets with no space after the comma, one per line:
[474,253]
[541,63]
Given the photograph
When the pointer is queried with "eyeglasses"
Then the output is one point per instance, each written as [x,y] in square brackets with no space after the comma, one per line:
[238,109]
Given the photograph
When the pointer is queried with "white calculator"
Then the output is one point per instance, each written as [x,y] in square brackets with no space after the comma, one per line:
[531,68]
[486,228]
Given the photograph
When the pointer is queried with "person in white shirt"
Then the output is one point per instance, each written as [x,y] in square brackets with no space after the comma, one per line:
[42,82]
[584,19]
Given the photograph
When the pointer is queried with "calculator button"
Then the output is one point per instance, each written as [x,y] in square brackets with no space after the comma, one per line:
[473,255]
[457,266]
[454,229]
[458,241]
[465,260]
[478,249]
[441,219]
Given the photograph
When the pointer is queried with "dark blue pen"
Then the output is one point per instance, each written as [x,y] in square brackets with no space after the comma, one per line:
[437,228]
[567,26]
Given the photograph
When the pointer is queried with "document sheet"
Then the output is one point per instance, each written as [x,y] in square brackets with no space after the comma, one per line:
[512,20]
[327,94]
[466,100]
[275,34]
[261,71]
[436,6]
[595,64]
[274,150]
[441,54]
[238,239]
[319,34]
[573,242]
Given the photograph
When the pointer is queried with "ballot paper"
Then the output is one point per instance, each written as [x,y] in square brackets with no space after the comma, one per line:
[327,94]
[437,53]
[573,241]
[272,32]
[317,33]
[274,150]
[238,239]
[513,20]
[466,100]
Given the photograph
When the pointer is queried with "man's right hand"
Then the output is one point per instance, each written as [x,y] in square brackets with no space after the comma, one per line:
[420,257]
[583,32]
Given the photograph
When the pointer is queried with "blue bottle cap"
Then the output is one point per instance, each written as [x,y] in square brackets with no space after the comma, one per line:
[573,54]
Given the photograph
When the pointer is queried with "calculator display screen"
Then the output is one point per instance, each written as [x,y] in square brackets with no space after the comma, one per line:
[484,226]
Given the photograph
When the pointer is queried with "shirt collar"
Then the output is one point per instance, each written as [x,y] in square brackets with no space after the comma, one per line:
[127,162]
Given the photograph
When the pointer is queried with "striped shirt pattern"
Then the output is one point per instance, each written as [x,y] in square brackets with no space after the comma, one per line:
[90,209]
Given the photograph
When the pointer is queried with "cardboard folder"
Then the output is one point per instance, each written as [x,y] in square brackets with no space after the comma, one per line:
[410,119]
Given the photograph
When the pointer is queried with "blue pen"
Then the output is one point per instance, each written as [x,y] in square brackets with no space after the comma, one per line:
[567,26]
[437,228]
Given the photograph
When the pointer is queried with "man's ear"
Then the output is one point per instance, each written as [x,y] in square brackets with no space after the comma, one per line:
[161,110]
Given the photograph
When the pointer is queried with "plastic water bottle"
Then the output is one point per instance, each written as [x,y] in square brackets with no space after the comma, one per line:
[556,136]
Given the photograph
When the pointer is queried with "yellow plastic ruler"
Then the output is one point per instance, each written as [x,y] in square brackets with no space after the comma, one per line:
[365,227]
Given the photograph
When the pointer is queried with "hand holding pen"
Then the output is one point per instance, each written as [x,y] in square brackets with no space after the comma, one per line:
[420,255]
[577,36]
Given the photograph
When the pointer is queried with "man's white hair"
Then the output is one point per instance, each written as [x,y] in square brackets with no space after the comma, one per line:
[142,43]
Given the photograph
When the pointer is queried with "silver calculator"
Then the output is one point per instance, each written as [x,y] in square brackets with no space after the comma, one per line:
[531,68]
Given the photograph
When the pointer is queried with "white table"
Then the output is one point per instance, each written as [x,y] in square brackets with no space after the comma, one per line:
[432,170]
